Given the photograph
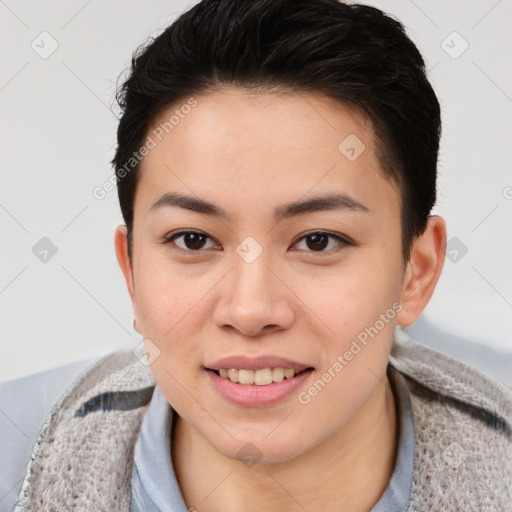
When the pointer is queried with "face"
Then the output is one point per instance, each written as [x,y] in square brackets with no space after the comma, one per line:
[263,283]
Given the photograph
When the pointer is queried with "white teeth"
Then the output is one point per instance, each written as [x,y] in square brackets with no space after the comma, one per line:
[263,377]
[277,374]
[289,373]
[246,376]
[257,377]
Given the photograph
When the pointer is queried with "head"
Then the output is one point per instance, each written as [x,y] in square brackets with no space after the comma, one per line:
[256,111]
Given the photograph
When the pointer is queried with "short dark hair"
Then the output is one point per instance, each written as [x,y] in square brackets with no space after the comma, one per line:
[349,52]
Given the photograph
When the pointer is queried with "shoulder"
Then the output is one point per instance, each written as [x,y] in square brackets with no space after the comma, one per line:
[463,431]
[25,402]
[449,377]
[93,425]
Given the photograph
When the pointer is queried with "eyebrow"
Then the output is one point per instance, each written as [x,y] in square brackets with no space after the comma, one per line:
[331,202]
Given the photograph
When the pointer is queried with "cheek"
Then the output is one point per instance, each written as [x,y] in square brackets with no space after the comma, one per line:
[360,310]
[164,292]
[352,298]
[169,303]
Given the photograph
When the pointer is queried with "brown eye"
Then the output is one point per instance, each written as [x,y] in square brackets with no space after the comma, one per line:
[319,240]
[192,241]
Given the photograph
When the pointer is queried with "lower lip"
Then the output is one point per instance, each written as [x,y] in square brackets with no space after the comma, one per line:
[257,396]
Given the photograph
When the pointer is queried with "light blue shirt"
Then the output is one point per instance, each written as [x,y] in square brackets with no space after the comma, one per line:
[154,484]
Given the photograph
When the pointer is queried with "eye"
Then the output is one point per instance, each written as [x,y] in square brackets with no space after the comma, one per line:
[194,241]
[318,240]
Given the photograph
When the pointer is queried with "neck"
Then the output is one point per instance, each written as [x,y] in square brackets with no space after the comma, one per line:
[352,468]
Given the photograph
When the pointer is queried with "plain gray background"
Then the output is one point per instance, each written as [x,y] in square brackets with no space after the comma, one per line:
[58,136]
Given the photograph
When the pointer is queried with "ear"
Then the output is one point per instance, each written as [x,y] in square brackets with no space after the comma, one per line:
[125,263]
[423,270]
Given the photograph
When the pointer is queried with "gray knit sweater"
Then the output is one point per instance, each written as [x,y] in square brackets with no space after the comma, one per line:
[83,457]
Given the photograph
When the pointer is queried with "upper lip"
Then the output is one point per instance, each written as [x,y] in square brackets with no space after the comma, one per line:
[256,363]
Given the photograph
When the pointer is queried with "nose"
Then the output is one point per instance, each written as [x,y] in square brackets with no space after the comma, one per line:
[254,299]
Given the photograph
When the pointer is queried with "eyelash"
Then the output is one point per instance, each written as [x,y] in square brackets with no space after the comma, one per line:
[343,241]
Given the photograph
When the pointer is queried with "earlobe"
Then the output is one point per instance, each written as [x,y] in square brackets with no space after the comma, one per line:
[423,270]
[125,263]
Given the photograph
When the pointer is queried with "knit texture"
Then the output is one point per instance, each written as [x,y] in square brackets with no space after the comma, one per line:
[83,457]
[85,463]
[463,429]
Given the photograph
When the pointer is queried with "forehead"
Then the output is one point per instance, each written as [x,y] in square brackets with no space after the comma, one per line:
[233,143]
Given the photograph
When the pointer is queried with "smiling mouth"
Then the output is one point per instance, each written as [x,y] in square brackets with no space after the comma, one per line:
[262,377]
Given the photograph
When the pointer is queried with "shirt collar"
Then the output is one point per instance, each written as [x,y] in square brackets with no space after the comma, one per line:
[397,495]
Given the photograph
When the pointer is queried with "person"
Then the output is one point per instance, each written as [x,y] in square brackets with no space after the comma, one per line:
[276,171]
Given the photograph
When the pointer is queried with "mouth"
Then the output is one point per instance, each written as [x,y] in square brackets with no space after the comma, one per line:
[261,381]
[260,377]
[261,387]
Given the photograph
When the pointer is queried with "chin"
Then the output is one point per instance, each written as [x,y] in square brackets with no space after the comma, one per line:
[254,449]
